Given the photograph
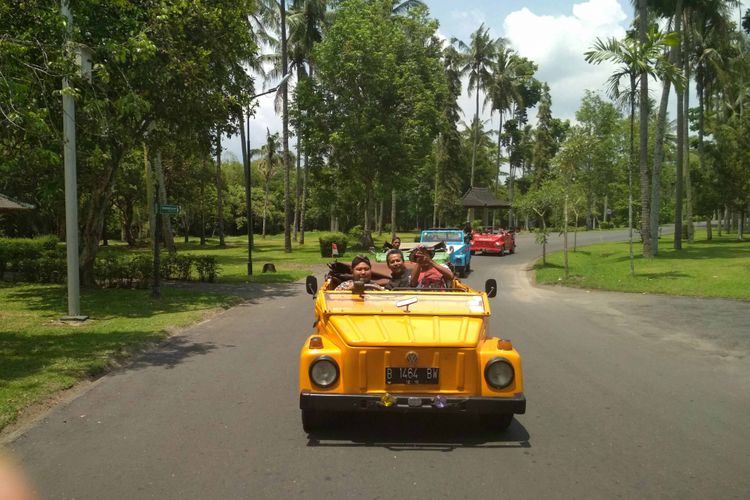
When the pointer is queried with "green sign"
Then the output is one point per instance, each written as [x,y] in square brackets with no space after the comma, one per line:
[169,209]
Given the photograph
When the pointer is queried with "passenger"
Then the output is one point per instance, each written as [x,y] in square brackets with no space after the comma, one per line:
[430,274]
[395,243]
[361,271]
[400,274]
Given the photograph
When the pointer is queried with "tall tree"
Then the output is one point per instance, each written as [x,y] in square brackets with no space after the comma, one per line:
[634,59]
[478,57]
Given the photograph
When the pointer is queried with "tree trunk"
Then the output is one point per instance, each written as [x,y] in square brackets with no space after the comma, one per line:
[661,126]
[167,236]
[94,222]
[367,232]
[680,136]
[219,194]
[497,159]
[380,217]
[565,237]
[606,199]
[631,163]
[302,205]
[285,128]
[298,182]
[265,208]
[393,213]
[719,221]
[203,216]
[437,184]
[686,142]
[709,233]
[648,250]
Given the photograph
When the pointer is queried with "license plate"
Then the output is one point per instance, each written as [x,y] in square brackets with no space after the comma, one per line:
[412,376]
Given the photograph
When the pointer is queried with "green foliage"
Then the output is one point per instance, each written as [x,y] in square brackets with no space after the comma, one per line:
[207,267]
[326,241]
[19,254]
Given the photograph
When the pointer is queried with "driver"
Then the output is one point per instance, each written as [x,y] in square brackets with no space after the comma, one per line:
[429,274]
[361,271]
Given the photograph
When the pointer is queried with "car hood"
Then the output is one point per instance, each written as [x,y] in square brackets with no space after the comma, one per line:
[408,330]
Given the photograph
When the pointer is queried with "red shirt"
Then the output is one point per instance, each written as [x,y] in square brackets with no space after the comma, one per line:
[431,278]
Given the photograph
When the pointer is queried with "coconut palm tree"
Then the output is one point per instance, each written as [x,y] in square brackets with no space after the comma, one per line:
[477,57]
[267,166]
[503,91]
[634,61]
[306,21]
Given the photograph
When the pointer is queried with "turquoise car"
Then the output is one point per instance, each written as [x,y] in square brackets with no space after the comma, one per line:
[458,248]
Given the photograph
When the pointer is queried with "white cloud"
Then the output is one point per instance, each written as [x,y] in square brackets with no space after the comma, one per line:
[557,43]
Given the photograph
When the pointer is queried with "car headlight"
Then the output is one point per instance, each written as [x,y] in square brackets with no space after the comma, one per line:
[497,243]
[324,372]
[499,373]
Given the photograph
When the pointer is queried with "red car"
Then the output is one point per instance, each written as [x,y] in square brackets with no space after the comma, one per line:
[495,241]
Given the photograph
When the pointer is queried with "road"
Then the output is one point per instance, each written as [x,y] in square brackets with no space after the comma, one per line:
[629,396]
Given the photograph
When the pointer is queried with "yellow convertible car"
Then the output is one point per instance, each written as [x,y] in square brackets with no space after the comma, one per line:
[406,350]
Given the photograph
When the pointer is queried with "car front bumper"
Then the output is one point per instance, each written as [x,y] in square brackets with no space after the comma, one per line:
[413,403]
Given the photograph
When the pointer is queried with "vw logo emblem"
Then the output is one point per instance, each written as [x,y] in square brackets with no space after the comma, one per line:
[412,358]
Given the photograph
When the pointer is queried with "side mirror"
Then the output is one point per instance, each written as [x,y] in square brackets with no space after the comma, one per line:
[490,286]
[358,287]
[311,285]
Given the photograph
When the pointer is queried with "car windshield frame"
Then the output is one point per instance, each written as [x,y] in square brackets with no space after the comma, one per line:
[428,302]
[449,235]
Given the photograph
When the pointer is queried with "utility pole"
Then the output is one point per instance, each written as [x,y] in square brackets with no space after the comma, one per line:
[71,188]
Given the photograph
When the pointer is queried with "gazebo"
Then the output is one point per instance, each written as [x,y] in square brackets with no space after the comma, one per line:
[478,197]
[10,205]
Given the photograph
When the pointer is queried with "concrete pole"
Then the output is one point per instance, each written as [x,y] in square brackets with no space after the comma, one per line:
[71,188]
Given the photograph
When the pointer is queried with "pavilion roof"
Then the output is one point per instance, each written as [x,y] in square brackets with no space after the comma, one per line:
[10,205]
[477,197]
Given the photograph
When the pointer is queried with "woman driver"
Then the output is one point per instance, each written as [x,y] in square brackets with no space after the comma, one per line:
[361,271]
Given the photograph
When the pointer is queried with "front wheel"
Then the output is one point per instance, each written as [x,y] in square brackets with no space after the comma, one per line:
[497,423]
[313,420]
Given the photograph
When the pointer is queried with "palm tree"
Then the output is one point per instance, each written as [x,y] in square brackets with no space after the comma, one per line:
[478,57]
[305,30]
[267,166]
[635,61]
[503,91]
[400,8]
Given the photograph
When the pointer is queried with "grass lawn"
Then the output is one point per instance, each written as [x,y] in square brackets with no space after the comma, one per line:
[41,355]
[717,268]
[233,257]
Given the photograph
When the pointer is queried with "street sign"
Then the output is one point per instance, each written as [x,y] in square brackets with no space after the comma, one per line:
[169,209]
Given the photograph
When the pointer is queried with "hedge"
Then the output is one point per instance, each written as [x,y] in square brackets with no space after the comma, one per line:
[43,260]
[326,241]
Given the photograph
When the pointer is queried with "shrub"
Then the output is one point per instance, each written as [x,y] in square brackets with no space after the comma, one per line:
[140,271]
[168,266]
[52,266]
[207,268]
[606,225]
[16,252]
[327,239]
[183,267]
[355,235]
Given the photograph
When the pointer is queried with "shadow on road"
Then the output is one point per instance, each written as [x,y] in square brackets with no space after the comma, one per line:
[172,352]
[417,433]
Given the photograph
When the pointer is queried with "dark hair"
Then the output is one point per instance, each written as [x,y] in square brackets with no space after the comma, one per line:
[395,238]
[394,251]
[358,259]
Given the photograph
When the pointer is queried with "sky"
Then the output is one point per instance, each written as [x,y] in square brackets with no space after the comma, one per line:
[552,33]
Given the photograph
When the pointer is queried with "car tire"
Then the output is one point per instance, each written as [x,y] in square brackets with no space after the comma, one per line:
[512,249]
[497,423]
[313,420]
[461,271]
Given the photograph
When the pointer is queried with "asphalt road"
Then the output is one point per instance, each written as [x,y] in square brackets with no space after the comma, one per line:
[629,396]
